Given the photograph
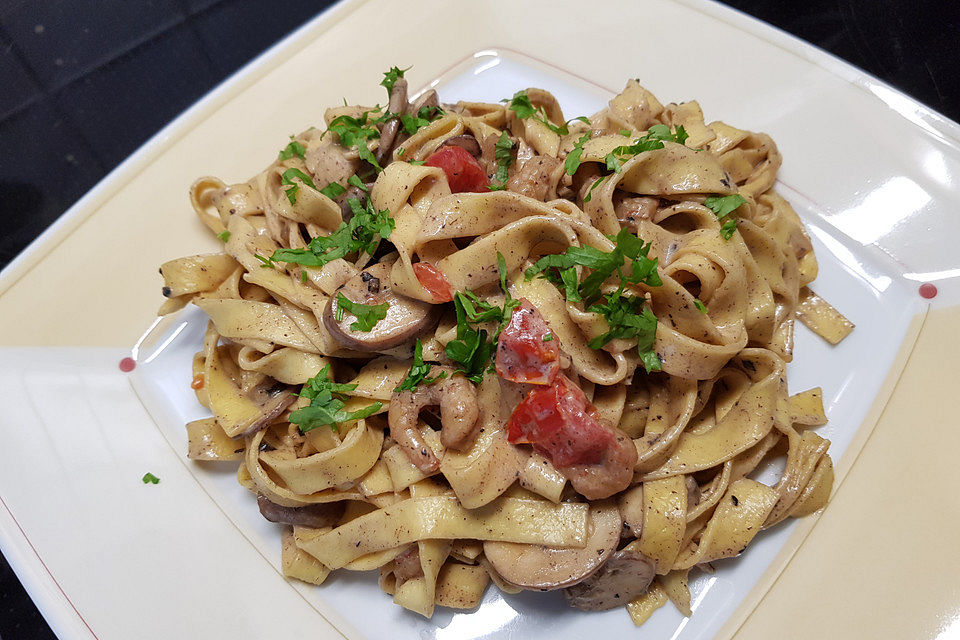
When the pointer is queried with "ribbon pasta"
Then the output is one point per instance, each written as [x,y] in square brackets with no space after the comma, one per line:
[703,418]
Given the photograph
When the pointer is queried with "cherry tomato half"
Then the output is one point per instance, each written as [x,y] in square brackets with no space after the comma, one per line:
[527,350]
[433,281]
[561,424]
[463,171]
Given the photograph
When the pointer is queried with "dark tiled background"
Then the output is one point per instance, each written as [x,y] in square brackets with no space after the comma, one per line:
[83,83]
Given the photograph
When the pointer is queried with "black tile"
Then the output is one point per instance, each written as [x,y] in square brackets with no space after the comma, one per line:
[61,39]
[45,167]
[196,6]
[19,619]
[235,31]
[15,79]
[121,104]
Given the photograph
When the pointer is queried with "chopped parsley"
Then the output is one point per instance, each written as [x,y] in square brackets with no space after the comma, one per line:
[401,151]
[572,163]
[628,317]
[548,337]
[521,105]
[503,156]
[326,404]
[355,181]
[293,189]
[293,149]
[418,372]
[368,315]
[223,236]
[625,133]
[149,478]
[361,234]
[355,132]
[391,76]
[560,269]
[724,206]
[265,263]
[650,141]
[702,308]
[333,190]
[472,350]
[412,124]
[418,163]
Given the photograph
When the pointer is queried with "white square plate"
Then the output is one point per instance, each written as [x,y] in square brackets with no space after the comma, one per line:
[872,173]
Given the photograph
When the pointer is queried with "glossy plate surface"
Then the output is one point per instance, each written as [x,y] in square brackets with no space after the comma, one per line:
[876,193]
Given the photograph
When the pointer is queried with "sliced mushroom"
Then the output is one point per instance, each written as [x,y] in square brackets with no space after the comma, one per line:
[405,319]
[534,566]
[272,402]
[632,210]
[325,514]
[398,104]
[611,475]
[631,509]
[536,177]
[407,566]
[693,493]
[466,142]
[625,576]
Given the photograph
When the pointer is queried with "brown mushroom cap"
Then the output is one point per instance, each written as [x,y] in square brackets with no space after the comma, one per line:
[625,576]
[325,514]
[406,317]
[466,142]
[534,566]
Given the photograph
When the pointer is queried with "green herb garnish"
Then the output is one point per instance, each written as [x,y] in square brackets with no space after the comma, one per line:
[361,234]
[358,183]
[391,76]
[326,404]
[333,190]
[628,317]
[650,141]
[265,263]
[502,154]
[355,132]
[521,105]
[293,149]
[418,163]
[702,308]
[293,189]
[223,236]
[418,372]
[724,206]
[572,163]
[368,315]
[603,264]
[149,478]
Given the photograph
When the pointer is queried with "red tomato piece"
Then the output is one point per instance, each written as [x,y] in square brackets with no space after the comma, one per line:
[463,171]
[433,281]
[522,353]
[561,424]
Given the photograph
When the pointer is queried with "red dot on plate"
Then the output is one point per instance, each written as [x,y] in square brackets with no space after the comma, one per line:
[127,365]
[928,290]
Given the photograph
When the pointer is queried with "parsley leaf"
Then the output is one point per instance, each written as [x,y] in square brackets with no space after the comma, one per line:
[326,404]
[265,263]
[333,190]
[293,149]
[727,228]
[294,188]
[361,234]
[650,141]
[418,372]
[602,264]
[354,133]
[368,315]
[521,105]
[418,163]
[572,163]
[358,183]
[149,478]
[724,205]
[223,236]
[391,76]
[628,317]
[702,308]
[502,154]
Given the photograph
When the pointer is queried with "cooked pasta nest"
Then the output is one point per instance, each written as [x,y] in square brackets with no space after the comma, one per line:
[586,414]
